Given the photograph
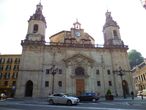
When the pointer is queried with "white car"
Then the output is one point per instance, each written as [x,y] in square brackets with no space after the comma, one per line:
[62,99]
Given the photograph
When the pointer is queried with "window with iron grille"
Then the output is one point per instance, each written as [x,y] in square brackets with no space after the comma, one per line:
[97,72]
[108,72]
[60,83]
[46,83]
[110,83]
[98,83]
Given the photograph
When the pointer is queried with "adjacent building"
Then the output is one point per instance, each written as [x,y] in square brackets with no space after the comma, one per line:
[139,76]
[9,67]
[71,62]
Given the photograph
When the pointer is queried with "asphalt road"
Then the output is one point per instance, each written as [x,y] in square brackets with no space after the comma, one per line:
[101,105]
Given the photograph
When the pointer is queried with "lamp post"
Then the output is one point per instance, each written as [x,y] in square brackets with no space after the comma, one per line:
[121,73]
[53,70]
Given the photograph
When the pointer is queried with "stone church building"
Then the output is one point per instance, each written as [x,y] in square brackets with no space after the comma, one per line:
[71,62]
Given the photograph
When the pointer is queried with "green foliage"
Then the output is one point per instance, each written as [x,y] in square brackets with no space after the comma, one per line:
[135,58]
[108,92]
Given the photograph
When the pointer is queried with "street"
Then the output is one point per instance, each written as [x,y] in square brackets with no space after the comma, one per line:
[41,104]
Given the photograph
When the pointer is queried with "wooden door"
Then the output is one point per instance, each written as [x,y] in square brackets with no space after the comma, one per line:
[80,86]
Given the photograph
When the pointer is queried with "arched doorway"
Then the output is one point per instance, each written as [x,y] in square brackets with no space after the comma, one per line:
[125,87]
[28,89]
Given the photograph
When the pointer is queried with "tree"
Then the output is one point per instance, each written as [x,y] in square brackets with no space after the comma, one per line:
[135,58]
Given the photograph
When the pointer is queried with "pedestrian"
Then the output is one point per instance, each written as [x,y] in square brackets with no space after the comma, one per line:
[132,95]
[141,96]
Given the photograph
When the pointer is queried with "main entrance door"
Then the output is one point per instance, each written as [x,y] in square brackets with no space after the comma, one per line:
[80,86]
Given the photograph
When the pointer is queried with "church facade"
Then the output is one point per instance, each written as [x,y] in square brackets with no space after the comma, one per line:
[71,63]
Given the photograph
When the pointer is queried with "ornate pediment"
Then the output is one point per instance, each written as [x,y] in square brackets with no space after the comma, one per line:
[79,59]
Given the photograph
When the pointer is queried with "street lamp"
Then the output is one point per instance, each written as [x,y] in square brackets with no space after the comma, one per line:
[53,70]
[121,73]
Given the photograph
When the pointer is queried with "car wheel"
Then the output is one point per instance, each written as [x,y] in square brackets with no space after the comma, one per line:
[51,102]
[93,100]
[69,102]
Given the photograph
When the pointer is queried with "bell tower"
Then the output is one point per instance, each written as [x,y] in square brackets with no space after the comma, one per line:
[111,31]
[36,26]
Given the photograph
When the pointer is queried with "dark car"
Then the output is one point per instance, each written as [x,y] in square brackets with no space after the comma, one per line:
[89,97]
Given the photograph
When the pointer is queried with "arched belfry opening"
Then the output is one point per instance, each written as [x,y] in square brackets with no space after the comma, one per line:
[29,88]
[35,28]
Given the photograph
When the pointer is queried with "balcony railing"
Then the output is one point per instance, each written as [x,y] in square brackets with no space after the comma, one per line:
[74,45]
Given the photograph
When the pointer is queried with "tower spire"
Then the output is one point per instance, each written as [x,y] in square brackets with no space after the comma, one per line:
[109,21]
[111,31]
[38,15]
[37,25]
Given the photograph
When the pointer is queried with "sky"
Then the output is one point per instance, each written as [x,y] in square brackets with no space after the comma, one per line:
[61,14]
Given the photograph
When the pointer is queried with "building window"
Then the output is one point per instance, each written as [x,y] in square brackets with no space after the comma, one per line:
[14,68]
[17,60]
[110,83]
[6,83]
[7,75]
[108,72]
[9,60]
[98,83]
[15,75]
[1,75]
[14,83]
[35,28]
[97,72]
[79,71]
[115,33]
[144,77]
[60,71]
[60,83]
[2,60]
[46,83]
[8,67]
[1,67]
[47,71]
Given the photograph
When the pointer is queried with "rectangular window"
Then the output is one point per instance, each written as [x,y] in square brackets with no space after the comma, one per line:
[14,83]
[60,83]
[1,75]
[8,67]
[1,67]
[98,83]
[14,68]
[0,60]
[6,83]
[60,71]
[15,74]
[97,72]
[7,75]
[110,83]
[108,72]
[46,83]
[47,71]
[3,60]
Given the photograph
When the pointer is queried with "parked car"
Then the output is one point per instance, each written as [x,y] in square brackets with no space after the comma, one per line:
[62,99]
[88,96]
